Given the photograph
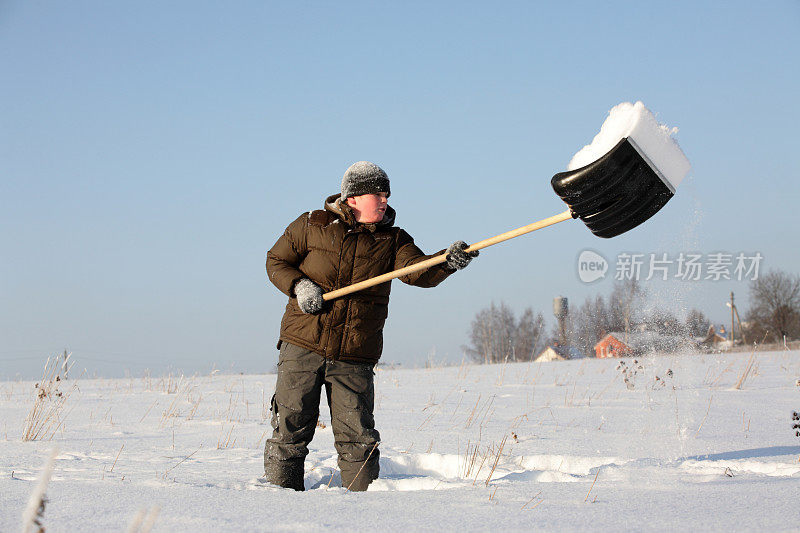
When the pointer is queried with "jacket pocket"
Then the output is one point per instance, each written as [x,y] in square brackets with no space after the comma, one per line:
[300,325]
[364,330]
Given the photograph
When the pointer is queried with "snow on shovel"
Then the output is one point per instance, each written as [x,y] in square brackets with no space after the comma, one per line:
[625,176]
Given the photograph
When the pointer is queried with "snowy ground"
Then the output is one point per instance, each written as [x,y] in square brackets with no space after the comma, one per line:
[563,445]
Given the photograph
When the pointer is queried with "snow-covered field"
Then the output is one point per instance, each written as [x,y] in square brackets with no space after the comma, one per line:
[563,445]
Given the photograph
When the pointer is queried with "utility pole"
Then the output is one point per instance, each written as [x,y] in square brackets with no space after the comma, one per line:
[732,311]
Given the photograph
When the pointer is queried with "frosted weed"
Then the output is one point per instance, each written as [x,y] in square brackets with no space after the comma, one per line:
[629,373]
[47,414]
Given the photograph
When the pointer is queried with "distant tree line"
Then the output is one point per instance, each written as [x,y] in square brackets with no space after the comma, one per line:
[497,335]
[625,309]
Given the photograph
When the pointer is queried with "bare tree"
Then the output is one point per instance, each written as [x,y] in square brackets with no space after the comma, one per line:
[480,337]
[590,322]
[775,306]
[696,323]
[496,336]
[598,315]
[529,335]
[625,305]
[664,322]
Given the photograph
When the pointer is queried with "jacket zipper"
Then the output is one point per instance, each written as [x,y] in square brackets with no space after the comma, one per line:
[349,301]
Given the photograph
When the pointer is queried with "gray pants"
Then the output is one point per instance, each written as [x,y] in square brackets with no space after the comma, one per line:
[350,392]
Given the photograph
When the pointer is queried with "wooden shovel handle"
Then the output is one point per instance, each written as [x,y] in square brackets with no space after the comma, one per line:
[423,265]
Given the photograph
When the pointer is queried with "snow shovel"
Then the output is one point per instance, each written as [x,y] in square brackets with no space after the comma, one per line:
[612,195]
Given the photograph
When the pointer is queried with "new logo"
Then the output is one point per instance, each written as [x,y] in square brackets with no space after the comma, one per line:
[591,266]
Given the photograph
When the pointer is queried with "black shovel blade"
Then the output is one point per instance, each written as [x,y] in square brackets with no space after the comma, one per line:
[616,193]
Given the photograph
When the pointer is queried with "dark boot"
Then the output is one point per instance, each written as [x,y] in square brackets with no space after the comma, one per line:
[356,477]
[286,474]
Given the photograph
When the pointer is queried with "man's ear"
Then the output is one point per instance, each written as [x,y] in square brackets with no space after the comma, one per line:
[349,201]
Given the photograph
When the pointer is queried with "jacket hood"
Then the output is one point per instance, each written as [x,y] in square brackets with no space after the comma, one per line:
[335,205]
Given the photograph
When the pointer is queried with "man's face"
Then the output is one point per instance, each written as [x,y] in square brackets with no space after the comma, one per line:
[368,208]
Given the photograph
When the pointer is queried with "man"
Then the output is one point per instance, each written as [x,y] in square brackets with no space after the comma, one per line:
[336,344]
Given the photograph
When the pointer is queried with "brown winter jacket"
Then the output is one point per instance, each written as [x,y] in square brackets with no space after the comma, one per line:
[331,249]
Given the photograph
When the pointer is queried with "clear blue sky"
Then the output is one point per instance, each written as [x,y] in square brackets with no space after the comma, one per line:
[151,152]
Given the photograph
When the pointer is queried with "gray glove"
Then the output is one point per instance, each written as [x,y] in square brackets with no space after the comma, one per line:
[309,296]
[457,258]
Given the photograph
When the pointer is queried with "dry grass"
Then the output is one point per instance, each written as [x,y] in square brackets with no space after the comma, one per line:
[148,411]
[172,411]
[230,414]
[224,441]
[590,488]
[517,420]
[529,501]
[600,394]
[195,404]
[169,385]
[144,520]
[704,418]
[501,377]
[47,414]
[33,514]
[479,410]
[261,439]
[748,368]
[438,406]
[713,382]
[496,459]
[474,459]
[470,459]
[536,376]
[181,462]
[457,407]
[117,458]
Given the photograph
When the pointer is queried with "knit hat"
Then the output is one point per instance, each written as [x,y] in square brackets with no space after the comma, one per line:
[364,178]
